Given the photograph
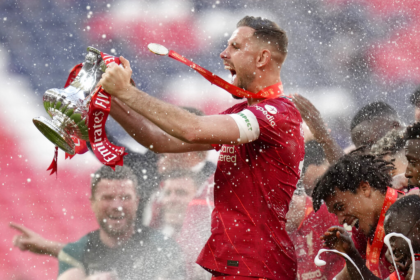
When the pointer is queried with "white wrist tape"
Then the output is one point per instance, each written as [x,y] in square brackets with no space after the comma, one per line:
[247,123]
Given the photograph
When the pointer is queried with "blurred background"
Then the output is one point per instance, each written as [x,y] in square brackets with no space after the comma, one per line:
[343,54]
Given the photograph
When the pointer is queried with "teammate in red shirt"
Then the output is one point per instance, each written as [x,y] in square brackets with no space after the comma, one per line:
[261,152]
[305,226]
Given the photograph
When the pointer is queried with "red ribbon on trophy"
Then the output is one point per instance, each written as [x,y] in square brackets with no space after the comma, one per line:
[272,91]
[100,105]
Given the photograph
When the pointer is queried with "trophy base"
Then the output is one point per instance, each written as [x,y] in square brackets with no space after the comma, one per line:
[53,133]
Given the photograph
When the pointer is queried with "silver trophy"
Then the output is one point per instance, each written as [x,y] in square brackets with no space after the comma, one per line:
[68,107]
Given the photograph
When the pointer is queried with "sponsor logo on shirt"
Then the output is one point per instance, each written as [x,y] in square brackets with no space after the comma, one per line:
[248,123]
[312,275]
[269,117]
[271,109]
[227,154]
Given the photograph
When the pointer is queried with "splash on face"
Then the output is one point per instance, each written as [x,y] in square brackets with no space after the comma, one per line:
[115,205]
[412,153]
[239,57]
[354,209]
[404,225]
[368,132]
[177,193]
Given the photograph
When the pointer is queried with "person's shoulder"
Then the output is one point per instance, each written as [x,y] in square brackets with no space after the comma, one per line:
[236,108]
[79,244]
[281,103]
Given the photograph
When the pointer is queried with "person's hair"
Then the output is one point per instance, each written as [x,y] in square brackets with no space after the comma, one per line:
[407,207]
[120,173]
[314,154]
[349,172]
[266,31]
[391,143]
[412,131]
[415,97]
[373,110]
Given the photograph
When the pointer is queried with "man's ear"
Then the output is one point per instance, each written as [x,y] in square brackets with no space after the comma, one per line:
[365,188]
[264,57]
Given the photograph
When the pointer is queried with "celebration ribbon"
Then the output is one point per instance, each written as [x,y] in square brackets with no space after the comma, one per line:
[99,107]
[373,250]
[272,91]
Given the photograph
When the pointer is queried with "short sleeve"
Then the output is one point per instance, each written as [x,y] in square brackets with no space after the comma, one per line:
[71,256]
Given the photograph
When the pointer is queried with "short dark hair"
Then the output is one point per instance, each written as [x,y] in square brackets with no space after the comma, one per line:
[391,143]
[412,131]
[314,154]
[120,173]
[371,111]
[267,31]
[407,206]
[415,97]
[349,172]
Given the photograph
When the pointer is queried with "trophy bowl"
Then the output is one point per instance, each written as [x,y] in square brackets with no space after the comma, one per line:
[68,107]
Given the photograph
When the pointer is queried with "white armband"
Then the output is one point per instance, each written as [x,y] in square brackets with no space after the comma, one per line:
[247,123]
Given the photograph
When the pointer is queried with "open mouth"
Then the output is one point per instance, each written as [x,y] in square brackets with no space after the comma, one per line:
[232,71]
[353,222]
[116,218]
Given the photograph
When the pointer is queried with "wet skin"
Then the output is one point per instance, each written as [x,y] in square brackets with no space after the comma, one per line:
[115,205]
[409,228]
[368,132]
[412,153]
[364,205]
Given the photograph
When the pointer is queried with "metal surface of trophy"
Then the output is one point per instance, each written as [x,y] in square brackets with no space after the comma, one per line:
[68,107]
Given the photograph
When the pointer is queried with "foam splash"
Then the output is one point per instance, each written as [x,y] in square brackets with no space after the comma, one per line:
[386,241]
[320,262]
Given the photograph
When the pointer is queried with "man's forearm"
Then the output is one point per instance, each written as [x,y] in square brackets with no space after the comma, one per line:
[333,151]
[171,119]
[147,133]
[52,248]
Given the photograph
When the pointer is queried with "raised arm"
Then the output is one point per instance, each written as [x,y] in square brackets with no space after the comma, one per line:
[313,119]
[29,240]
[338,238]
[182,125]
[148,134]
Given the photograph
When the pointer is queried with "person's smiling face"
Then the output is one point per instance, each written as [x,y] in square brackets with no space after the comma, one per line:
[412,153]
[240,55]
[396,224]
[354,209]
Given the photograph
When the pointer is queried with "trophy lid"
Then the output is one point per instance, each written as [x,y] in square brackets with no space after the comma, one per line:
[158,49]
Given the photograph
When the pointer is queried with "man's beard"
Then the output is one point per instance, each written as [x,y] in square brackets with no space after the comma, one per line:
[244,83]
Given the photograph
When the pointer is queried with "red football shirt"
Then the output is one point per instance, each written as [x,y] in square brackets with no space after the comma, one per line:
[254,183]
[360,241]
[307,245]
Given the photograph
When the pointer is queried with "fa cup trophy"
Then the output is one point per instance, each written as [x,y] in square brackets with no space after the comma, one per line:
[79,111]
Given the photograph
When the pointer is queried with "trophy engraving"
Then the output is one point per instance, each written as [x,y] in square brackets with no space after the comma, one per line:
[68,107]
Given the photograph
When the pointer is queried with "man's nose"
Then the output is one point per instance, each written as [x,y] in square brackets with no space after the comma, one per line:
[224,54]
